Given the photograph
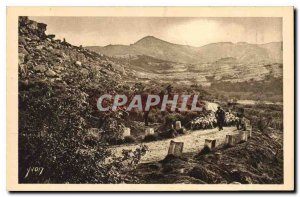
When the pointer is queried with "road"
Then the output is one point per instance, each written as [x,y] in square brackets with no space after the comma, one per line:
[193,142]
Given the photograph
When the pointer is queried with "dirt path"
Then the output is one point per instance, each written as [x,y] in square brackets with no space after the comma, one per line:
[193,142]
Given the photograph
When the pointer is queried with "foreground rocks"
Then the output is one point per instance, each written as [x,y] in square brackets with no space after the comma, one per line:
[257,161]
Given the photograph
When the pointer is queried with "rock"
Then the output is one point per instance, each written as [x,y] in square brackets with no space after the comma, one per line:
[84,71]
[21,49]
[40,68]
[204,174]
[51,36]
[42,27]
[78,63]
[23,69]
[39,47]
[23,20]
[58,68]
[50,73]
[21,58]
[60,60]
[81,57]
[22,40]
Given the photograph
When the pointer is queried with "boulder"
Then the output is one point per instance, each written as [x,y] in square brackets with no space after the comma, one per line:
[58,68]
[22,40]
[51,36]
[21,58]
[78,63]
[39,47]
[50,73]
[40,68]
[84,71]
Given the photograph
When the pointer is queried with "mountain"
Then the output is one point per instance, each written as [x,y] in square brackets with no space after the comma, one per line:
[157,48]
[153,47]
[242,51]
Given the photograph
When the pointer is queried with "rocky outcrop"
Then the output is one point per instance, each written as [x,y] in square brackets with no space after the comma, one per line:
[41,57]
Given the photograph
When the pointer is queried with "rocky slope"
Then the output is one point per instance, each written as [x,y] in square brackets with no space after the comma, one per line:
[42,57]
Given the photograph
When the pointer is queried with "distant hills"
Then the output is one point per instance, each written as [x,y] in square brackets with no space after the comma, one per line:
[241,52]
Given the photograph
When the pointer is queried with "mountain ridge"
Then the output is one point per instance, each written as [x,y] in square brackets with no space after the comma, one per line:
[161,49]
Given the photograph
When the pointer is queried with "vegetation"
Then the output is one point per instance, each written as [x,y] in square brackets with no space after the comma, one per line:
[62,131]
[270,89]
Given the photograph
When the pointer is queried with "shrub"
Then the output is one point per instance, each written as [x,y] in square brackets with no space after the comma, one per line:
[205,150]
[171,133]
[61,113]
[129,139]
[170,119]
[204,174]
[182,130]
[149,138]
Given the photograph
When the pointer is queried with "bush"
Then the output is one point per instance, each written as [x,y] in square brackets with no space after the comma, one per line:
[171,133]
[205,150]
[149,138]
[204,174]
[181,131]
[67,151]
[170,119]
[129,139]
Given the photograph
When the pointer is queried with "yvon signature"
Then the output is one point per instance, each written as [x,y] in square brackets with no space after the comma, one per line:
[35,171]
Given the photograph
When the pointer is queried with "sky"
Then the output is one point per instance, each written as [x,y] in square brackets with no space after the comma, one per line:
[102,31]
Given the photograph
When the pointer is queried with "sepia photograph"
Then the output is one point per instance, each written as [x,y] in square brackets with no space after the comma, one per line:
[160,99]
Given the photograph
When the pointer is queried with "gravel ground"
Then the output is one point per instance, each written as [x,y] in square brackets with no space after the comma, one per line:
[193,142]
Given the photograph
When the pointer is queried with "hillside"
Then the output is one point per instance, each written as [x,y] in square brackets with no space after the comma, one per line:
[157,48]
[42,57]
[59,85]
[150,70]
[61,130]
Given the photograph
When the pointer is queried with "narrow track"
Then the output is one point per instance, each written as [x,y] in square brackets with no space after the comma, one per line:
[193,142]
